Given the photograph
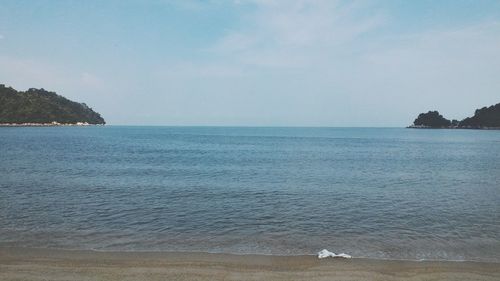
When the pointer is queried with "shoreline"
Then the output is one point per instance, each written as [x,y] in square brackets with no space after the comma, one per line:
[54,124]
[315,255]
[453,128]
[18,263]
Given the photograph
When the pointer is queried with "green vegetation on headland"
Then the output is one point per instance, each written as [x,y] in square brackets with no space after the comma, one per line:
[38,107]
[484,118]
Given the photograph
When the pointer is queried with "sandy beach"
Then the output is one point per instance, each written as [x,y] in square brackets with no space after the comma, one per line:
[45,264]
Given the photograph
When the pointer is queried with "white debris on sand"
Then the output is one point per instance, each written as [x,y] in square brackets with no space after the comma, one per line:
[325,254]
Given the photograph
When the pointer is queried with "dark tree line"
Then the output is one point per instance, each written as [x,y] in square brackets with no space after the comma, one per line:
[41,106]
[486,117]
[432,119]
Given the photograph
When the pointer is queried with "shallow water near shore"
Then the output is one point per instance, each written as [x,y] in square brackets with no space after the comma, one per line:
[49,264]
[370,192]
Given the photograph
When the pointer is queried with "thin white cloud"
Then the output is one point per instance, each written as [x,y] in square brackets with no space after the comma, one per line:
[189,70]
[293,33]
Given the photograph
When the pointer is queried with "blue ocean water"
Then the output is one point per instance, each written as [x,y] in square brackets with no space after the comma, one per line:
[369,192]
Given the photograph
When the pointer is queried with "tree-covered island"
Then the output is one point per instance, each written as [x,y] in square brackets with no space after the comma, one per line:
[484,118]
[38,107]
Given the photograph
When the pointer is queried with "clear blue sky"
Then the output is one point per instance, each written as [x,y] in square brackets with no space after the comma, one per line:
[271,63]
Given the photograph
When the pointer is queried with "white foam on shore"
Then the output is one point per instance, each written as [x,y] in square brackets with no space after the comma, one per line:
[325,254]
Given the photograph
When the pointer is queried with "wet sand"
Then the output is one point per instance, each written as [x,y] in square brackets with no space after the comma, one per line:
[45,264]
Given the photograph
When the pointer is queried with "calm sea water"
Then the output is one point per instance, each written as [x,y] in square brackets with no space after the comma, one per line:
[369,192]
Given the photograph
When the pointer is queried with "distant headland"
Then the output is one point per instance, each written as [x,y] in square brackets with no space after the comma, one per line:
[484,118]
[38,107]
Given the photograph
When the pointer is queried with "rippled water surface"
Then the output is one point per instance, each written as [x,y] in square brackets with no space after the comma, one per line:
[381,193]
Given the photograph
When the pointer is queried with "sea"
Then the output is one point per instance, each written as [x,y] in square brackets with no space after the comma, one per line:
[382,193]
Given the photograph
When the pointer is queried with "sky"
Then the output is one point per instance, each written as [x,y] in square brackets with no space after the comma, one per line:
[256,62]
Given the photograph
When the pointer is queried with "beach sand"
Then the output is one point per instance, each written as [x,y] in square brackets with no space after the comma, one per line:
[45,264]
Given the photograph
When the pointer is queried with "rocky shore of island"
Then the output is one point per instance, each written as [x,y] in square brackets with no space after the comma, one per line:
[51,124]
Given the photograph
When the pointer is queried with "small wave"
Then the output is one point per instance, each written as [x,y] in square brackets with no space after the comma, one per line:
[325,254]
